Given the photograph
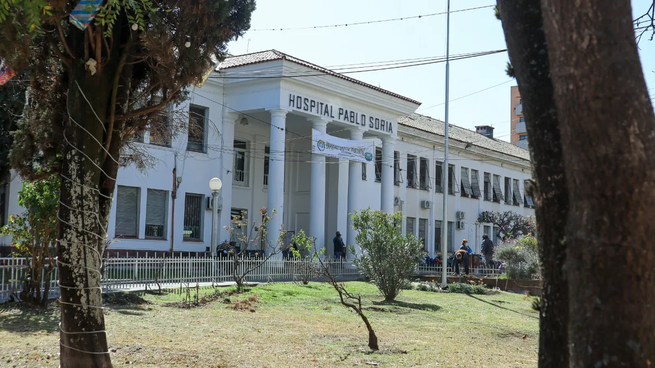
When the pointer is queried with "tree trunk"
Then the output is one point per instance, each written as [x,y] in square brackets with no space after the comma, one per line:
[526,44]
[82,223]
[608,139]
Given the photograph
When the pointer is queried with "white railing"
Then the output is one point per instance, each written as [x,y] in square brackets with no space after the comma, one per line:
[158,272]
[148,272]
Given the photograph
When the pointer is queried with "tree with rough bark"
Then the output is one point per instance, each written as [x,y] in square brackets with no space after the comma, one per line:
[509,223]
[579,75]
[93,87]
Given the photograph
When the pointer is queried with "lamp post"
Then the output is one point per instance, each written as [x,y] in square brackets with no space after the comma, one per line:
[215,184]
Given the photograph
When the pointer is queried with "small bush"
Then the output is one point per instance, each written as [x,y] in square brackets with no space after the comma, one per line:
[387,257]
[521,257]
[468,289]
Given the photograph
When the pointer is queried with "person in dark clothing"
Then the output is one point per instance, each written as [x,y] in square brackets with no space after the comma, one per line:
[488,250]
[339,246]
[462,256]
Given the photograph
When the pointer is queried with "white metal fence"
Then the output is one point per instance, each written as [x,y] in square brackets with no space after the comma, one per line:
[144,273]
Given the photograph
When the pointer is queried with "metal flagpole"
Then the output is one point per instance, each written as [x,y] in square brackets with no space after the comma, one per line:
[445,170]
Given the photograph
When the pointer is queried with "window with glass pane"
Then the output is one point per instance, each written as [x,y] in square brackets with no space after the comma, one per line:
[438,177]
[378,164]
[397,179]
[127,211]
[466,188]
[240,163]
[437,236]
[422,232]
[508,190]
[197,126]
[475,183]
[487,186]
[451,236]
[410,225]
[412,173]
[193,216]
[452,180]
[267,158]
[364,171]
[425,174]
[156,209]
[161,134]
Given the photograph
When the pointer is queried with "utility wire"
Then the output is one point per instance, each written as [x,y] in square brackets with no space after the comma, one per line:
[328,72]
[420,16]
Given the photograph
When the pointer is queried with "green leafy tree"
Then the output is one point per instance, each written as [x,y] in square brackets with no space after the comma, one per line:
[34,234]
[509,223]
[387,257]
[91,91]
[12,101]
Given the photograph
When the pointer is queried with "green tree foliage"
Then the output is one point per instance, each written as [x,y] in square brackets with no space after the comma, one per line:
[509,223]
[12,101]
[521,258]
[34,233]
[387,257]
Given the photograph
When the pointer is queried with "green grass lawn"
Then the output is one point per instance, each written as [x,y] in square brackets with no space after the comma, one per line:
[294,326]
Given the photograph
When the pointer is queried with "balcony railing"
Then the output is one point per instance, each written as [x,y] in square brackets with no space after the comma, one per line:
[519,109]
[523,144]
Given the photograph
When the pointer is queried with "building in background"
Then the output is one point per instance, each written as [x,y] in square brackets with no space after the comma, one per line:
[519,133]
[264,123]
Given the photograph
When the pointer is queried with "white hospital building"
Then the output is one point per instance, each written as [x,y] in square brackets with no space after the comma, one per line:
[254,119]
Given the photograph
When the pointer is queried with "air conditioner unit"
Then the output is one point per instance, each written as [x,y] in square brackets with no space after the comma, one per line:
[210,204]
[460,225]
[426,204]
[460,215]
[396,201]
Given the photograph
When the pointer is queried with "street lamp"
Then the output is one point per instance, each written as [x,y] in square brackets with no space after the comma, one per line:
[215,184]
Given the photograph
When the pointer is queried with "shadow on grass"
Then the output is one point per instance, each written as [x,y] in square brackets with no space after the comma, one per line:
[18,318]
[501,307]
[416,306]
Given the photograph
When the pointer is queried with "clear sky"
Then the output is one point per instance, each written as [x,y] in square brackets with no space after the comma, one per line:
[470,31]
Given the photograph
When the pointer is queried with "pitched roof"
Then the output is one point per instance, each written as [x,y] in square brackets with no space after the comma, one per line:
[270,55]
[435,126]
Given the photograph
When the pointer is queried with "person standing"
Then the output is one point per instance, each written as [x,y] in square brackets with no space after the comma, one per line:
[462,256]
[488,250]
[339,246]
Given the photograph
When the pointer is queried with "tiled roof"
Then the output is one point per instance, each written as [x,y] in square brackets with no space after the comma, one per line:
[435,126]
[270,55]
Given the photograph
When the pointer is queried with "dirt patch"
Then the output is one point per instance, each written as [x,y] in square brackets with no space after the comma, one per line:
[512,335]
[226,297]
[396,310]
[248,304]
[123,299]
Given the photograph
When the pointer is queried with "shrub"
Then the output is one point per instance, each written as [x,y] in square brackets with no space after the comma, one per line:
[387,258]
[521,257]
[468,289]
[34,235]
[307,266]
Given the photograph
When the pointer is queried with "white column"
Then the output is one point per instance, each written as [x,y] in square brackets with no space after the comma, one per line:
[387,192]
[317,193]
[275,205]
[354,192]
[227,139]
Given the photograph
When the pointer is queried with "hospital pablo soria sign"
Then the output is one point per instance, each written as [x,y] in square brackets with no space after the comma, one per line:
[306,104]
